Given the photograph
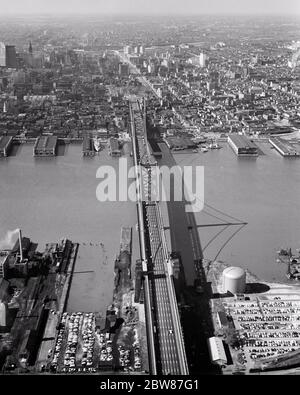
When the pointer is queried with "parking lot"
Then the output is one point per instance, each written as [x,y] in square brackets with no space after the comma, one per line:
[267,327]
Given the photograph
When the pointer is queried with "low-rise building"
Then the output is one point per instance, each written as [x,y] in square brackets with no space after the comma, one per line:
[217,351]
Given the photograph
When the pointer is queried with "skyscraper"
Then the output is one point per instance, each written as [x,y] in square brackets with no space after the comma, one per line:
[11,57]
[2,55]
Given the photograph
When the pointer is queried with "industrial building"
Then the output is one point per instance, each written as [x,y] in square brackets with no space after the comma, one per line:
[5,145]
[177,143]
[45,146]
[234,280]
[217,351]
[242,146]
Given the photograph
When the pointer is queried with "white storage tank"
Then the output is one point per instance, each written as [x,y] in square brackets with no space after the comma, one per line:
[234,280]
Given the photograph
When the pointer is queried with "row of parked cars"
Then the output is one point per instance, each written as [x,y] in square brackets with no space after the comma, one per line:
[57,349]
[74,325]
[105,347]
[88,337]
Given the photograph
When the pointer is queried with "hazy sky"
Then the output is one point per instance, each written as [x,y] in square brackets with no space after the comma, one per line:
[150,6]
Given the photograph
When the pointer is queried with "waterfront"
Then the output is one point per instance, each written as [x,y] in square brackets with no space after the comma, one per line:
[52,198]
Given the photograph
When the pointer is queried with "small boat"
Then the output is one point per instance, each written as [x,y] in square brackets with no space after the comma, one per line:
[204,149]
[195,151]
[214,145]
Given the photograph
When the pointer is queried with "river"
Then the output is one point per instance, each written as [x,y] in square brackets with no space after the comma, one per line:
[53,198]
[264,192]
[56,197]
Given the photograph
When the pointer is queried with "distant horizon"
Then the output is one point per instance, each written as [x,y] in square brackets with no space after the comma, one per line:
[153,7]
[148,14]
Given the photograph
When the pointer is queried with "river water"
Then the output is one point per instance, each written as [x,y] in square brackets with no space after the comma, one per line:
[53,198]
[264,192]
[56,197]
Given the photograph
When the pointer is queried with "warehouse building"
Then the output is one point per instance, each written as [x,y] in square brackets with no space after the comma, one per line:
[242,146]
[45,146]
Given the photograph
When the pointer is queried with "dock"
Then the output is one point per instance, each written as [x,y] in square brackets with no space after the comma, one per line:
[69,274]
[242,146]
[45,146]
[284,147]
[114,148]
[125,242]
[87,146]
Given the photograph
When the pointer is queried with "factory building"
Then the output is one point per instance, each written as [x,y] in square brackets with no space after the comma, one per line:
[5,145]
[234,280]
[45,146]
[242,146]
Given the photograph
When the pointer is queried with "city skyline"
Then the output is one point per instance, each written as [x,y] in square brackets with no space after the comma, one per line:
[119,7]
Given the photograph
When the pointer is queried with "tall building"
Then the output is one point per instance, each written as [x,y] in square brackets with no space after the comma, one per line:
[2,55]
[127,50]
[202,59]
[11,56]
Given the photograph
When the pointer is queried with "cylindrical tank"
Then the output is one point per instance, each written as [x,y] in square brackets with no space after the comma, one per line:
[234,280]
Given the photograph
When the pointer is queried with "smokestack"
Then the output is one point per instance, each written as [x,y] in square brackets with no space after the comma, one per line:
[20,245]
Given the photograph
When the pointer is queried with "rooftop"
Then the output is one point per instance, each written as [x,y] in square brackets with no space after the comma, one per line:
[241,141]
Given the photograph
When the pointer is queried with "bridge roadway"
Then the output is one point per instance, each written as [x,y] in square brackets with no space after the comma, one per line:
[143,80]
[165,337]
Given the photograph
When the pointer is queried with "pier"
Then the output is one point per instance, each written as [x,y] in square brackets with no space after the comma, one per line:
[242,146]
[5,145]
[45,146]
[87,146]
[284,147]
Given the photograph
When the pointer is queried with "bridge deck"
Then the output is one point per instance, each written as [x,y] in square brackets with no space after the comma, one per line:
[169,355]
